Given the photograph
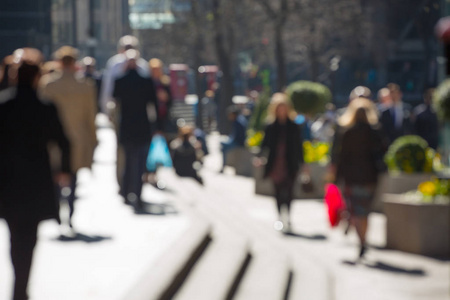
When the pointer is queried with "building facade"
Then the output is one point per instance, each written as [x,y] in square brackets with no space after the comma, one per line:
[93,26]
[25,23]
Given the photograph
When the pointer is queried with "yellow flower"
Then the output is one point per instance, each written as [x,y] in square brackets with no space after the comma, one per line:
[427,188]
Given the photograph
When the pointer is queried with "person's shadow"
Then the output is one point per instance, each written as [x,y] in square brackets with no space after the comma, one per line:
[156,209]
[80,237]
[315,237]
[377,265]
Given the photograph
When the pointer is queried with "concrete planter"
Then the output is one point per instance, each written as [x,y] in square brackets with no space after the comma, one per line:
[265,186]
[240,159]
[420,228]
[397,184]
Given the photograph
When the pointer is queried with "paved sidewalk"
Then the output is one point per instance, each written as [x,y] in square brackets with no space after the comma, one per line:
[117,247]
[385,274]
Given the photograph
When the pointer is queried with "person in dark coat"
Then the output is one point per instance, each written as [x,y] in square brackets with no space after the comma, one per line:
[283,145]
[133,93]
[425,121]
[163,93]
[27,191]
[186,154]
[360,152]
[396,119]
[238,133]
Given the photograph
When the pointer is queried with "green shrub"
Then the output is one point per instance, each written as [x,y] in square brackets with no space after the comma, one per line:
[441,100]
[308,97]
[258,118]
[410,154]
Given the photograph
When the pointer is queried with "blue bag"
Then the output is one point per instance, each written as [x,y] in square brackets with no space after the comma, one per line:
[159,154]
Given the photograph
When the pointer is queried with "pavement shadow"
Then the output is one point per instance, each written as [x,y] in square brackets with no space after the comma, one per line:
[377,265]
[383,248]
[395,269]
[315,237]
[156,209]
[80,237]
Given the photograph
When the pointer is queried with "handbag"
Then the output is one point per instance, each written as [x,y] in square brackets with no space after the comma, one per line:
[335,202]
[158,154]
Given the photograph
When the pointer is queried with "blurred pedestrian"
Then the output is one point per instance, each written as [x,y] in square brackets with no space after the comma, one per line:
[425,121]
[283,144]
[396,118]
[323,129]
[187,154]
[359,155]
[116,68]
[27,194]
[357,92]
[5,78]
[133,93]
[88,65]
[74,97]
[360,92]
[209,109]
[384,99]
[162,86]
[238,134]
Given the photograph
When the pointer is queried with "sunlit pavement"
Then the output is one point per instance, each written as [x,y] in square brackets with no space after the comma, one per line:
[384,274]
[116,246]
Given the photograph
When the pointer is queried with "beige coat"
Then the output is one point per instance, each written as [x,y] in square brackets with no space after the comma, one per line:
[75,99]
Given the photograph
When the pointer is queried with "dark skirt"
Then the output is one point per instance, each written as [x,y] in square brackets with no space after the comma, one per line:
[359,199]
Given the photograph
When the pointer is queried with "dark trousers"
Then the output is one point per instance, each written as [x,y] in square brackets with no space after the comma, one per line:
[23,235]
[135,161]
[284,193]
[69,195]
[227,147]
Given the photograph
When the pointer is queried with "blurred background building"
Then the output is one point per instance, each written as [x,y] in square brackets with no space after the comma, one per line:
[25,23]
[341,44]
[93,26]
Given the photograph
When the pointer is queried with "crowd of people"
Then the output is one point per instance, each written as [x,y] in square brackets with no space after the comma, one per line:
[48,133]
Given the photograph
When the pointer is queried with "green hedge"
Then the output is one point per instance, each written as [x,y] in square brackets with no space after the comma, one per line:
[410,154]
[441,100]
[309,97]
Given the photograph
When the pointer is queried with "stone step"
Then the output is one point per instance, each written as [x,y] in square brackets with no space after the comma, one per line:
[311,280]
[219,271]
[267,278]
[164,278]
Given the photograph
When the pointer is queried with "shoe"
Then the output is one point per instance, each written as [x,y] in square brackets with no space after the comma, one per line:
[362,251]
[348,228]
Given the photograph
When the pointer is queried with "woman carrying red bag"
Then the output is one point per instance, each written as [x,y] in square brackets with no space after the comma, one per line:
[359,157]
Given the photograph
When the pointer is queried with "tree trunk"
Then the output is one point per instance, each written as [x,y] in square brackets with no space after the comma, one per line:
[226,86]
[314,61]
[225,64]
[280,58]
[198,47]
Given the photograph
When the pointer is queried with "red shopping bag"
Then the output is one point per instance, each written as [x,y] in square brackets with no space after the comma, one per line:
[335,203]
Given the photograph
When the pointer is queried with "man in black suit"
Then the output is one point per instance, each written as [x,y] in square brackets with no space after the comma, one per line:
[396,118]
[425,121]
[133,93]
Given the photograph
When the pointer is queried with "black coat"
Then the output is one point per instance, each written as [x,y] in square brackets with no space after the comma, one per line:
[361,148]
[27,125]
[426,125]
[294,146]
[133,93]
[390,131]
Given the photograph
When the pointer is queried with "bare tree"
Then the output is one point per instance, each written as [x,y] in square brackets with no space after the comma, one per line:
[223,12]
[278,15]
